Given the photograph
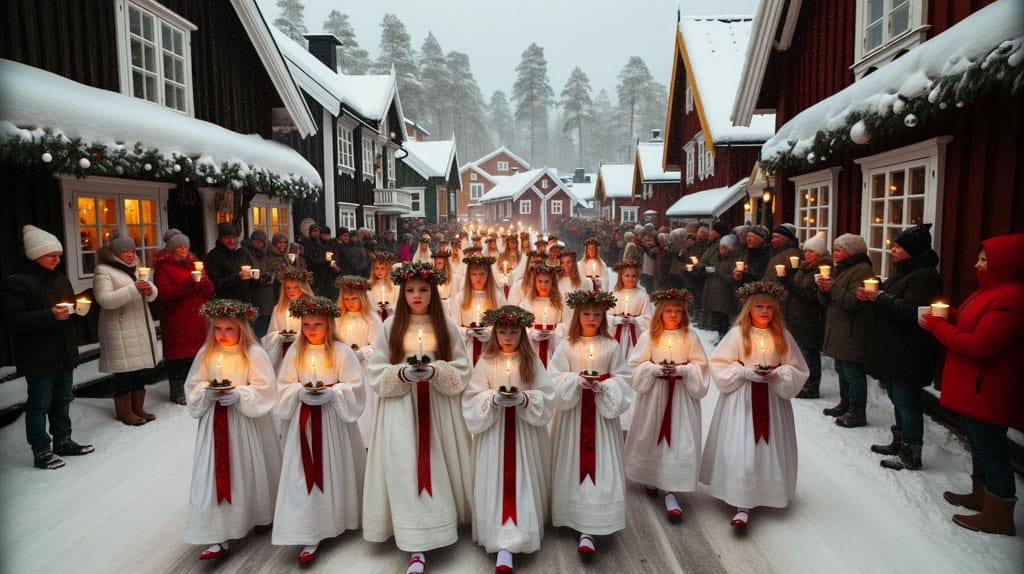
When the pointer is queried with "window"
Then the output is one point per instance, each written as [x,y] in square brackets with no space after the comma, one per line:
[556,207]
[472,176]
[689,149]
[368,163]
[606,212]
[629,214]
[391,167]
[709,162]
[701,156]
[347,218]
[886,29]
[526,207]
[476,190]
[346,150]
[544,183]
[415,198]
[370,219]
[902,187]
[270,216]
[502,166]
[689,98]
[155,54]
[815,196]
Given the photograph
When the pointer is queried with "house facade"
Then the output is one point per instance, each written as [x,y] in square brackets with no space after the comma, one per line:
[537,198]
[479,177]
[654,187]
[429,171]
[613,194]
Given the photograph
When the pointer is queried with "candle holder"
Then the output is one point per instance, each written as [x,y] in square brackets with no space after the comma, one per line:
[354,346]
[418,362]
[508,391]
[764,369]
[314,386]
[221,385]
[591,376]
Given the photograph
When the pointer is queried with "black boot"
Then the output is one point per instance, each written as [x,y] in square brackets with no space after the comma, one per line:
[810,391]
[177,392]
[853,417]
[68,447]
[839,409]
[45,459]
[891,449]
[909,458]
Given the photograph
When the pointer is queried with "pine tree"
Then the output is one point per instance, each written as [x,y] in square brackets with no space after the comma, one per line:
[533,96]
[291,21]
[576,107]
[396,50]
[351,58]
[436,88]
[466,107]
[653,108]
[604,132]
[500,118]
[635,84]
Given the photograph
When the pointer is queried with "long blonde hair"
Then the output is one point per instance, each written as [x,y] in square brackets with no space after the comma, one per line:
[657,327]
[524,353]
[301,345]
[364,301]
[282,299]
[246,339]
[575,331]
[777,327]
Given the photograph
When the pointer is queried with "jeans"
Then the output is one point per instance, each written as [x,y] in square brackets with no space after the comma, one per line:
[130,382]
[990,457]
[49,396]
[177,369]
[813,359]
[853,382]
[906,402]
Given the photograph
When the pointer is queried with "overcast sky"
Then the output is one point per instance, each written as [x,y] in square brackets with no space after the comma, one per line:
[599,36]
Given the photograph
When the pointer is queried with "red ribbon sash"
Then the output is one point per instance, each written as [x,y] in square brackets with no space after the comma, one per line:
[284,347]
[312,458]
[588,435]
[221,453]
[632,332]
[423,440]
[477,348]
[665,433]
[508,479]
[505,287]
[542,346]
[383,312]
[759,410]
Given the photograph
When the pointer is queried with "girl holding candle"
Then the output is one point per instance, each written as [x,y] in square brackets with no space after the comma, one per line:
[592,267]
[592,390]
[442,263]
[419,478]
[283,326]
[750,454]
[383,293]
[321,484]
[521,284]
[545,302]
[508,405]
[630,316]
[358,327]
[478,295]
[571,280]
[670,378]
[237,459]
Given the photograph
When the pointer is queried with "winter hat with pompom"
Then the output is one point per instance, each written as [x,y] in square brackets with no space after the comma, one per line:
[817,244]
[852,244]
[915,240]
[38,242]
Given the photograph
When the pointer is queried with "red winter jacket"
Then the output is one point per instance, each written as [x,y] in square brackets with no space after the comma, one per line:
[985,343]
[182,328]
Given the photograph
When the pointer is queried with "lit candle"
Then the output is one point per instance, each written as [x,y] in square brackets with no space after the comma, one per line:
[940,309]
[871,284]
[825,270]
[544,321]
[794,261]
[381,300]
[590,359]
[741,265]
[764,357]
[220,357]
[693,260]
[419,340]
[349,339]
[593,270]
[314,370]
[198,265]
[479,315]
[508,371]
[670,359]
[329,256]
[780,270]
[625,306]
[288,321]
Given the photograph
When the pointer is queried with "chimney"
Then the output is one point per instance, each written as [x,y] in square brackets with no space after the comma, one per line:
[515,170]
[578,175]
[325,48]
[655,133]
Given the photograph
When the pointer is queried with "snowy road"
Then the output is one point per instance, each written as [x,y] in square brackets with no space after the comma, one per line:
[123,509]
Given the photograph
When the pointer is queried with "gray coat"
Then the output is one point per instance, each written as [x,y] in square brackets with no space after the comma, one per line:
[848,328]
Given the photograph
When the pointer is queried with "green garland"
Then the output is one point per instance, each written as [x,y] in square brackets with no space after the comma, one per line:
[58,154]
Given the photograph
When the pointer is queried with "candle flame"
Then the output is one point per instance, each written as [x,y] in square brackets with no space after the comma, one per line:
[419,335]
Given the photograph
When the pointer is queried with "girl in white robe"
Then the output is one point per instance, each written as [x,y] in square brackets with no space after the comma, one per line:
[520,284]
[358,327]
[419,474]
[588,490]
[750,455]
[571,280]
[442,262]
[669,378]
[553,316]
[383,293]
[422,254]
[237,458]
[592,267]
[478,295]
[508,406]
[321,483]
[630,316]
[283,327]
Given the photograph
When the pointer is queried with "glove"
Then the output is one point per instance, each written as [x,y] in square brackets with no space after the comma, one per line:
[591,385]
[364,353]
[482,335]
[320,398]
[681,370]
[414,375]
[510,401]
[752,375]
[212,395]
[617,320]
[227,398]
[628,320]
[538,335]
[929,321]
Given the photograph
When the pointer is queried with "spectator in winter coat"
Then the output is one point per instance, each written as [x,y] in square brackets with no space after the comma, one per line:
[783,246]
[260,250]
[984,341]
[276,260]
[901,355]
[757,256]
[225,265]
[45,346]
[720,304]
[405,248]
[805,311]
[847,326]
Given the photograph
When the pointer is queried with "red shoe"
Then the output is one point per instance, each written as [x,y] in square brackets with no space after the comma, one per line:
[587,546]
[674,514]
[503,569]
[307,557]
[740,519]
[417,565]
[213,554]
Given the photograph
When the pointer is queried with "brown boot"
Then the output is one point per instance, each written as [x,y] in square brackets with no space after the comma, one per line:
[138,399]
[995,518]
[123,411]
[973,501]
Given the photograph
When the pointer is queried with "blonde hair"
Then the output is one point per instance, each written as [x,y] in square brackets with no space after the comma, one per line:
[657,327]
[490,287]
[246,338]
[618,281]
[282,299]
[524,353]
[301,344]
[555,297]
[576,331]
[777,327]
[364,302]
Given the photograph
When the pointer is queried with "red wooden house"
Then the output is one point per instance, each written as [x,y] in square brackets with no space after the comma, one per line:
[480,176]
[654,187]
[613,194]
[535,198]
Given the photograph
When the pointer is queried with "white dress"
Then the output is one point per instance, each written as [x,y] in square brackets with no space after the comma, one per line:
[493,527]
[667,460]
[253,450]
[305,515]
[477,306]
[739,471]
[383,290]
[565,285]
[355,328]
[274,341]
[590,268]
[545,314]
[637,303]
[393,503]
[593,504]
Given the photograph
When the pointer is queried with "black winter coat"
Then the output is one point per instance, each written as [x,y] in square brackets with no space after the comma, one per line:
[223,266]
[42,344]
[804,310]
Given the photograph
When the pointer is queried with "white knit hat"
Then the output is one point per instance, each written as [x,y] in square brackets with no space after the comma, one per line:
[852,244]
[38,242]
[817,244]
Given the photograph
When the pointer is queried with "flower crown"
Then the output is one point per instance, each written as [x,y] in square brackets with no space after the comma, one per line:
[423,240]
[352,283]
[419,270]
[485,260]
[384,256]
[534,253]
[296,274]
[477,238]
[306,306]
[508,316]
[578,299]
[471,250]
[441,254]
[543,267]
[767,287]
[625,264]
[228,309]
[567,252]
[678,295]
[591,241]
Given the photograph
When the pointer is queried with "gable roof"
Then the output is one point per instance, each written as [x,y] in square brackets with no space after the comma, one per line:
[514,186]
[614,181]
[506,151]
[431,159]
[759,49]
[475,168]
[710,202]
[648,164]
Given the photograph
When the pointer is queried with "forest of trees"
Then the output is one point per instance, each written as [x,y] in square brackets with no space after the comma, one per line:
[573,128]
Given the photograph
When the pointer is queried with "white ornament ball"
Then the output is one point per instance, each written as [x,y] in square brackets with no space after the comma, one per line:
[47,157]
[960,104]
[84,163]
[897,106]
[119,169]
[148,167]
[942,105]
[209,180]
[177,168]
[910,120]
[823,158]
[859,133]
[811,157]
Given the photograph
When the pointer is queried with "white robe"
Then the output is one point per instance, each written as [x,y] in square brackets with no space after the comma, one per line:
[533,454]
[273,341]
[364,334]
[477,306]
[565,285]
[307,517]
[559,318]
[671,465]
[383,290]
[737,470]
[392,504]
[588,506]
[254,452]
[639,306]
[596,267]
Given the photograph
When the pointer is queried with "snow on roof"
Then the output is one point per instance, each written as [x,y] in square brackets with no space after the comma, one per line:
[910,75]
[33,99]
[649,155]
[584,191]
[506,151]
[616,180]
[511,186]
[430,159]
[715,48]
[710,202]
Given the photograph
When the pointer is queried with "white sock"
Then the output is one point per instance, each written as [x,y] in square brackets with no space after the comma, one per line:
[217,547]
[671,504]
[416,566]
[504,558]
[309,549]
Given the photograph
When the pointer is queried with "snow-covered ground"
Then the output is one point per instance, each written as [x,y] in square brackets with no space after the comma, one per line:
[123,509]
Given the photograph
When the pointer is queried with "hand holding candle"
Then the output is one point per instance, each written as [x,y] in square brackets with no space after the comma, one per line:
[825,270]
[871,284]
[940,309]
[794,261]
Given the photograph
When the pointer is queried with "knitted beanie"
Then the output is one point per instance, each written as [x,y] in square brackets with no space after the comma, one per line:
[852,244]
[177,240]
[38,242]
[120,244]
[817,244]
[915,240]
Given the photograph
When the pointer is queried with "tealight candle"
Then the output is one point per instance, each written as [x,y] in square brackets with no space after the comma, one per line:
[741,265]
[82,306]
[825,270]
[144,273]
[329,255]
[871,284]
[780,270]
[247,269]
[291,257]
[693,260]
[199,265]
[794,261]
[940,310]
[197,276]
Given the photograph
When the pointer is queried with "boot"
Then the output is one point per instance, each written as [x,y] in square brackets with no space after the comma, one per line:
[893,448]
[995,518]
[853,417]
[837,410]
[810,391]
[123,411]
[177,392]
[973,501]
[909,458]
[138,399]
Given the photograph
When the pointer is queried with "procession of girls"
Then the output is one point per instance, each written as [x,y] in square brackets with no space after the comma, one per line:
[461,409]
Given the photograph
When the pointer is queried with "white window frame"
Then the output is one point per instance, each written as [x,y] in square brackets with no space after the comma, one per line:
[689,97]
[701,156]
[476,191]
[544,183]
[346,150]
[690,149]
[709,161]
[556,207]
[472,176]
[370,218]
[814,201]
[893,44]
[417,197]
[270,215]
[879,233]
[606,212]
[629,213]
[526,207]
[502,166]
[347,216]
[391,166]
[369,173]
[162,17]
